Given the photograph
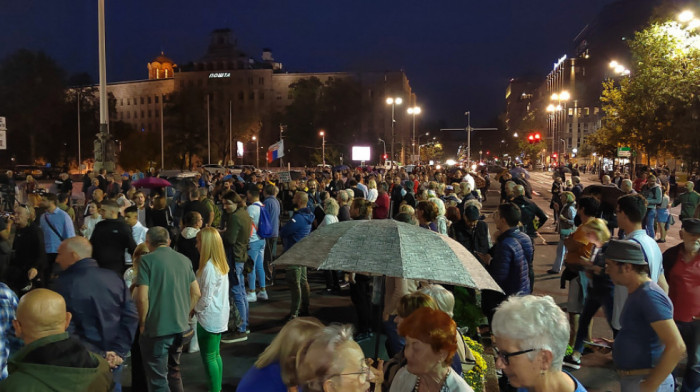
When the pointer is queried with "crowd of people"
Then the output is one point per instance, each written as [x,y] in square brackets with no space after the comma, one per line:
[147,273]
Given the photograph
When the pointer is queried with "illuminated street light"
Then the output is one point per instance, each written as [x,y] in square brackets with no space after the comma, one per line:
[323,147]
[686,16]
[413,111]
[613,64]
[257,151]
[515,134]
[555,97]
[564,96]
[393,101]
[551,108]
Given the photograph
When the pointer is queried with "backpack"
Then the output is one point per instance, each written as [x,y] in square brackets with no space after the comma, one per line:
[214,210]
[264,227]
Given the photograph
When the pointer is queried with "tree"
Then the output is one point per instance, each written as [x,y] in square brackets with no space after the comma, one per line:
[186,122]
[656,109]
[32,97]
[531,152]
[334,106]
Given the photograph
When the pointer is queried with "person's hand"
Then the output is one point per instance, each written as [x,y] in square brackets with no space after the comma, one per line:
[485,257]
[376,374]
[32,273]
[113,359]
[142,327]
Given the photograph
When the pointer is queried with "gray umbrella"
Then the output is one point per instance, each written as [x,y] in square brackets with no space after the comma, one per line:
[390,248]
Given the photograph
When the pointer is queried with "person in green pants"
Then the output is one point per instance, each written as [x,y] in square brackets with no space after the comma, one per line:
[212,309]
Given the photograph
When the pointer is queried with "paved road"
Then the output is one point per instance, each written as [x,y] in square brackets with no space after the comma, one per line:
[597,373]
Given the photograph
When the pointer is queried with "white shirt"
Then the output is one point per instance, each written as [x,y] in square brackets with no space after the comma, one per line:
[138,232]
[254,213]
[328,219]
[212,309]
[89,224]
[372,195]
[652,253]
[406,381]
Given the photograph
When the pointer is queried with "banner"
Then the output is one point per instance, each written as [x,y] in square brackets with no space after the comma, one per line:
[275,151]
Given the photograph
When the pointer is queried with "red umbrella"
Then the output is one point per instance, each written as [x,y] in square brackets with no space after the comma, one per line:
[151,183]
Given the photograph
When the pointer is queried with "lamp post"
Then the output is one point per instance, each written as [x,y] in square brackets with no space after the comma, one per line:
[257,151]
[560,98]
[393,101]
[566,148]
[323,147]
[384,143]
[413,111]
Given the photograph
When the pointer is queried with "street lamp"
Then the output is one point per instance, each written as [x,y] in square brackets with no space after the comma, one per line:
[384,143]
[561,97]
[413,111]
[323,147]
[257,151]
[685,16]
[393,101]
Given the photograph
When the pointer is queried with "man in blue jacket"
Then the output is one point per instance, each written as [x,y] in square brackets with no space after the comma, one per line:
[104,316]
[272,205]
[297,228]
[508,260]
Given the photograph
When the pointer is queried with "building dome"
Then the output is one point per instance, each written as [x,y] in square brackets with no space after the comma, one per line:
[161,67]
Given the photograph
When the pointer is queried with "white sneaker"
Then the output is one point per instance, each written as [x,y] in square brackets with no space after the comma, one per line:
[251,297]
[263,296]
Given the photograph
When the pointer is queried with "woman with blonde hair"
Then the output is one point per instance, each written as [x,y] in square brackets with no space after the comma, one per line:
[276,370]
[212,309]
[373,193]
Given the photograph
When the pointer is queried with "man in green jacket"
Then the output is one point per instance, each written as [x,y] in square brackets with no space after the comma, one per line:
[51,360]
[689,201]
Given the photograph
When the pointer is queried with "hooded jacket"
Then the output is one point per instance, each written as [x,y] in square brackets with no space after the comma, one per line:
[297,228]
[57,363]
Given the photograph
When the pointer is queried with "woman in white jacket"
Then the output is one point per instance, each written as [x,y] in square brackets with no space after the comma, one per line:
[212,309]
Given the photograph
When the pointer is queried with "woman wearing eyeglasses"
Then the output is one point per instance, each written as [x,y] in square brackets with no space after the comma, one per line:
[431,343]
[333,362]
[531,334]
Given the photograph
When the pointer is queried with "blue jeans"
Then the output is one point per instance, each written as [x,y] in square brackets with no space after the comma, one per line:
[650,218]
[161,360]
[117,378]
[257,253]
[237,284]
[591,304]
[690,332]
[631,384]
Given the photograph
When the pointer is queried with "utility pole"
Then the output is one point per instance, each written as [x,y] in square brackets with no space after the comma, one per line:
[469,130]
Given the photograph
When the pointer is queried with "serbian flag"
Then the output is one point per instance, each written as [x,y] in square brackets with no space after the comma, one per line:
[275,151]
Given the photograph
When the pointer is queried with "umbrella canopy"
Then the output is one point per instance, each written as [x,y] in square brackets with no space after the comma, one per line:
[391,248]
[608,194]
[151,183]
[518,171]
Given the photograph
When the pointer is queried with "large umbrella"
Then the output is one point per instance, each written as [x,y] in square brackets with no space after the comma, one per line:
[151,183]
[518,171]
[608,194]
[391,248]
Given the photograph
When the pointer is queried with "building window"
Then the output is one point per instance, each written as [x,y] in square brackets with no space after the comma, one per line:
[261,96]
[148,100]
[149,113]
[142,114]
[157,113]
[156,99]
[121,102]
[136,114]
[250,80]
[128,101]
[261,81]
[571,111]
[251,96]
[279,97]
[141,100]
[588,111]
[595,110]
[128,115]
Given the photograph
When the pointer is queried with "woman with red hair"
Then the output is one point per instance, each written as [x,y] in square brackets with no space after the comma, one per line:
[431,343]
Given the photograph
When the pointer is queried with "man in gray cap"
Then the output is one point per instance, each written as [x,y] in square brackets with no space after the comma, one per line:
[682,268]
[648,346]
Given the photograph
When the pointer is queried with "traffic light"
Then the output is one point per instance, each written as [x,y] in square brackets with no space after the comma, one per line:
[488,152]
[531,138]
[538,137]
[554,155]
[385,156]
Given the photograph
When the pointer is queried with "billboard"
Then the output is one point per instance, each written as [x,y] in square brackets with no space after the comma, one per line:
[239,149]
[361,153]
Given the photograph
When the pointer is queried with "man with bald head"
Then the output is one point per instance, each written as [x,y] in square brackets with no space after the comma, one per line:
[50,358]
[104,316]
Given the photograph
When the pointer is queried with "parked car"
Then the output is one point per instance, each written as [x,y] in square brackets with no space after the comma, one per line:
[214,169]
[22,171]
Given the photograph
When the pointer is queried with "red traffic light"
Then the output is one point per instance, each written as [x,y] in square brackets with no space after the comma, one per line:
[531,138]
[554,155]
[488,152]
[385,156]
[538,137]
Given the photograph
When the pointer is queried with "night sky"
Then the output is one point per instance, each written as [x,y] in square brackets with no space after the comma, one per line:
[458,55]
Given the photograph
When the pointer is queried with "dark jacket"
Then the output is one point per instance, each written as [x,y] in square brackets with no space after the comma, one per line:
[29,252]
[186,244]
[509,266]
[297,228]
[110,239]
[57,363]
[237,234]
[669,259]
[476,239]
[104,316]
[272,205]
[529,211]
